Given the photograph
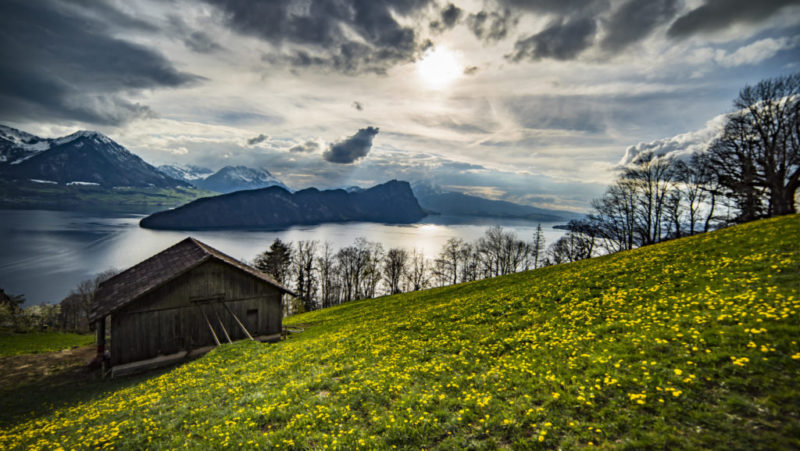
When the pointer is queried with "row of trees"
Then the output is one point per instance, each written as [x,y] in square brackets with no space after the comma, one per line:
[71,314]
[322,276]
[13,316]
[750,171]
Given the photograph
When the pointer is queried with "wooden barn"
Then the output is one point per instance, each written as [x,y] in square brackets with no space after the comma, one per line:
[183,301]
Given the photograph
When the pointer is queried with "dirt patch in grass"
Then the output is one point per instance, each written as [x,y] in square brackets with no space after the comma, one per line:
[61,367]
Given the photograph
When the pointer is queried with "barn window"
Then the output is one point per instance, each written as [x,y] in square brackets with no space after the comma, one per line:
[252,317]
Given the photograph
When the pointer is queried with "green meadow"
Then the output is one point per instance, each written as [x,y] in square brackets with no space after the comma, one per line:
[691,343]
[36,342]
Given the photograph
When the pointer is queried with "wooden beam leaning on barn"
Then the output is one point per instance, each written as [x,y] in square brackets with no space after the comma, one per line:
[213,334]
[222,325]
[244,329]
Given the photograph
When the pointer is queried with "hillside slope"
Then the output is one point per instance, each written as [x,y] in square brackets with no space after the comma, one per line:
[686,344]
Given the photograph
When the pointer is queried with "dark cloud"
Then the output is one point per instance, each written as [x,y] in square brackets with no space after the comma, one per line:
[562,40]
[351,149]
[357,105]
[635,20]
[471,70]
[450,15]
[448,18]
[58,61]
[563,7]
[492,26]
[715,15]
[306,147]
[200,42]
[320,33]
[257,139]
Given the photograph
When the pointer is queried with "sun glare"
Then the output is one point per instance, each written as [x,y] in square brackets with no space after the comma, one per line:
[439,67]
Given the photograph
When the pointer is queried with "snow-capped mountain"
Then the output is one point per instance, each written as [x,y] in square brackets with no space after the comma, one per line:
[17,146]
[188,173]
[237,178]
[83,158]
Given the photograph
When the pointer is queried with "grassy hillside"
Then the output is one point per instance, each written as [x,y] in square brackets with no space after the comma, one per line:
[687,344]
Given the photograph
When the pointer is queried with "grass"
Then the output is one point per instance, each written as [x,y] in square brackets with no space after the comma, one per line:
[36,342]
[686,344]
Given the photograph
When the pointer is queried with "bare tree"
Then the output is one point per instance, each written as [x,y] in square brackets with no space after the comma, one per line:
[304,269]
[490,248]
[327,276]
[537,247]
[450,259]
[673,214]
[394,269]
[515,253]
[470,263]
[757,157]
[569,248]
[651,178]
[418,275]
[616,216]
[76,308]
[348,262]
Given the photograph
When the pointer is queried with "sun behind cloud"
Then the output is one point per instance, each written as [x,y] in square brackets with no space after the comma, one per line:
[439,67]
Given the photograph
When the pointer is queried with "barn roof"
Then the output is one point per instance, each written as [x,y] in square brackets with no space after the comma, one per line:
[159,269]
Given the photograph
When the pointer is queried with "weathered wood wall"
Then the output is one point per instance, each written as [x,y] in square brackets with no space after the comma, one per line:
[169,319]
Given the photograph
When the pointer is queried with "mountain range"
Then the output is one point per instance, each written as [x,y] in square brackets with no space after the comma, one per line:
[82,158]
[85,171]
[435,199]
[88,170]
[226,180]
[275,207]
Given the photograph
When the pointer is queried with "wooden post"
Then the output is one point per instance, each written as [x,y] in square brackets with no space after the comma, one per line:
[237,320]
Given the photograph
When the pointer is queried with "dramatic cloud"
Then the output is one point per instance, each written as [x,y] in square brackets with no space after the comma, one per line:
[715,15]
[491,26]
[448,18]
[58,61]
[349,36]
[680,147]
[562,40]
[635,20]
[257,139]
[351,149]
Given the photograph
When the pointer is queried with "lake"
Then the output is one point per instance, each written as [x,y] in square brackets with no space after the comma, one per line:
[45,254]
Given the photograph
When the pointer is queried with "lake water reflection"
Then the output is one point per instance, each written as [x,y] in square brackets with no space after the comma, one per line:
[44,254]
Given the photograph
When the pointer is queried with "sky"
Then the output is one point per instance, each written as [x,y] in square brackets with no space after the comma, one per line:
[535,102]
